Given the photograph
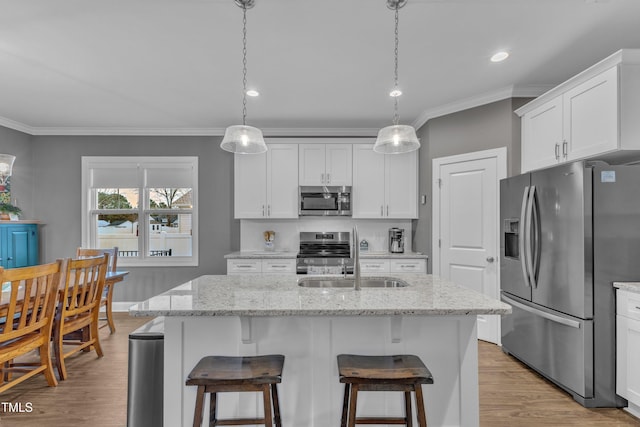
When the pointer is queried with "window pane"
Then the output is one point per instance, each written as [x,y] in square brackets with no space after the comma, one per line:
[170,198]
[119,230]
[170,235]
[117,198]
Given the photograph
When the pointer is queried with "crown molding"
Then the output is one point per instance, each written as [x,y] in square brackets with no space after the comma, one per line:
[528,91]
[454,107]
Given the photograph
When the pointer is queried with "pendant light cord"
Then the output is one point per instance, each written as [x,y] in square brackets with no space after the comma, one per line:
[244,64]
[396,116]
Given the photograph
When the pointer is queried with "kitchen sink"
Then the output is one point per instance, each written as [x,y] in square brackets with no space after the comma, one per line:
[339,282]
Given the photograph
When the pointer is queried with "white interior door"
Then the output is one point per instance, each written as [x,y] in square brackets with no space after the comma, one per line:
[466,225]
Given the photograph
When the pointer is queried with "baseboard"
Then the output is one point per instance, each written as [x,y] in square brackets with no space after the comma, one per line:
[122,306]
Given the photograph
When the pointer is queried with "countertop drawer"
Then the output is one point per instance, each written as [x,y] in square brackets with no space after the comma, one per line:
[279,266]
[628,304]
[244,266]
[408,266]
[374,266]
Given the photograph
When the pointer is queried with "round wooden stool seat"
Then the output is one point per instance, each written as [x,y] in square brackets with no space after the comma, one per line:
[404,373]
[220,374]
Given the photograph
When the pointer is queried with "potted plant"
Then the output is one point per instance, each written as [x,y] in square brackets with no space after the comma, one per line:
[6,209]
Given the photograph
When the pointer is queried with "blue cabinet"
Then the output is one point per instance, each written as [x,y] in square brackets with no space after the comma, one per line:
[18,245]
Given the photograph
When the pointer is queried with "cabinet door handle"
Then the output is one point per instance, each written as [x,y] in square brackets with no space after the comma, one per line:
[268,210]
[278,266]
[387,210]
[557,151]
[244,266]
[381,210]
[328,178]
[262,210]
[322,178]
[565,148]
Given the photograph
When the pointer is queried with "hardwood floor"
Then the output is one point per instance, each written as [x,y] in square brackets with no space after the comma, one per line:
[511,394]
[95,394]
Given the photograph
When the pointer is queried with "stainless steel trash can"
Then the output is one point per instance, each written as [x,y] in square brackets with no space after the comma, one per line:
[146,372]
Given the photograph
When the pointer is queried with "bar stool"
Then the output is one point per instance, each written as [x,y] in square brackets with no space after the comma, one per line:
[404,373]
[220,374]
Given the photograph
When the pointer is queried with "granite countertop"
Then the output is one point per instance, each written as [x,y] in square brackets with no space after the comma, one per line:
[280,295]
[288,254]
[628,286]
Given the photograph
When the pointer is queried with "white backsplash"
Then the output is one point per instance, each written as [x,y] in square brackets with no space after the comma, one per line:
[375,231]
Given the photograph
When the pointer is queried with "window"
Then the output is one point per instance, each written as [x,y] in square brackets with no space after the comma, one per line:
[146,206]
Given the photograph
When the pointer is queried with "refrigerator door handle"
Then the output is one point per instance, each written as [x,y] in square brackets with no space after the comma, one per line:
[548,316]
[522,244]
[534,236]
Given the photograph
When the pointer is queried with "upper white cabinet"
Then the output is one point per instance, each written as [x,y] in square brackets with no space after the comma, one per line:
[592,115]
[266,185]
[325,164]
[384,185]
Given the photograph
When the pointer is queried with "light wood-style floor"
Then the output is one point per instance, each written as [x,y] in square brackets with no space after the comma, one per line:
[95,394]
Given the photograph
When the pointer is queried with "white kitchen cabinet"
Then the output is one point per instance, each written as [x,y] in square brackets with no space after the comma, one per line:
[628,348]
[261,266]
[590,116]
[384,185]
[266,185]
[325,164]
[408,265]
[374,266]
[244,266]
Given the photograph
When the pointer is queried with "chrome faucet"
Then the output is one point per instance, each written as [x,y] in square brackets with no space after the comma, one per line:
[356,259]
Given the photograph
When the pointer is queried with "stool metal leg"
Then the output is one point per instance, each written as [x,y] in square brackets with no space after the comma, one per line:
[422,416]
[353,404]
[266,398]
[213,403]
[407,409]
[197,416]
[345,405]
[276,405]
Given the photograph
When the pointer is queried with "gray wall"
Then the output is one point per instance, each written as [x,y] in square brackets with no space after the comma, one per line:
[489,126]
[19,144]
[57,181]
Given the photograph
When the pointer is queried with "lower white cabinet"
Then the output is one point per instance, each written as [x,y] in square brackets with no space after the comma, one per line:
[393,265]
[261,266]
[628,348]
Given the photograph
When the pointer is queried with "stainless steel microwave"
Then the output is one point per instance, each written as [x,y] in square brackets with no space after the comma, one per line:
[325,200]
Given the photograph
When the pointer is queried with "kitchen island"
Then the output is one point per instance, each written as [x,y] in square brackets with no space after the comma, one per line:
[255,314]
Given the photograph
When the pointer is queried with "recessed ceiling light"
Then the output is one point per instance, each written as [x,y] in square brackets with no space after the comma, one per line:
[252,92]
[500,56]
[395,93]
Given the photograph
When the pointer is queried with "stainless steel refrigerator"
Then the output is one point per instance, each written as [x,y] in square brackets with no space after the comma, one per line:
[568,233]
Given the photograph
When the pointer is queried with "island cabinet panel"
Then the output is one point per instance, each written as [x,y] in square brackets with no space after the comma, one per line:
[384,185]
[325,164]
[18,245]
[266,185]
[310,393]
[593,115]
[628,348]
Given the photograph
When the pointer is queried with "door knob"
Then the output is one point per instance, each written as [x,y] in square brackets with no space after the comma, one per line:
[490,259]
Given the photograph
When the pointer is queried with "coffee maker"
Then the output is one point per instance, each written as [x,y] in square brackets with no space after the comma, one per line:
[396,240]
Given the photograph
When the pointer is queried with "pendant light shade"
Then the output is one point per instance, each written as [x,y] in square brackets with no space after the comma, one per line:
[243,139]
[396,139]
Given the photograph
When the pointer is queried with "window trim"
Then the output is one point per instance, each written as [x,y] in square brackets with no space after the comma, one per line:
[89,232]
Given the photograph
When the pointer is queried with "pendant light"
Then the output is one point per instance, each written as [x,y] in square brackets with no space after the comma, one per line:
[243,139]
[396,138]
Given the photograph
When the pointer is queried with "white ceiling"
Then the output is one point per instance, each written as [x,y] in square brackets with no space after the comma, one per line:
[322,66]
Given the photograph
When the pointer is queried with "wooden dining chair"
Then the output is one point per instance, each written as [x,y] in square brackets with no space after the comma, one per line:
[76,321]
[27,306]
[107,298]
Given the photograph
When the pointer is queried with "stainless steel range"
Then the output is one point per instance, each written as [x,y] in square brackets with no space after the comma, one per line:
[325,253]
